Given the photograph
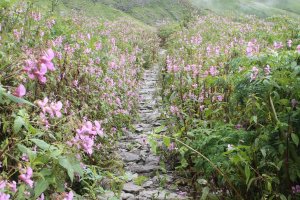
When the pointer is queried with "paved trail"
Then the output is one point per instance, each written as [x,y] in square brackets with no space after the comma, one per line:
[136,153]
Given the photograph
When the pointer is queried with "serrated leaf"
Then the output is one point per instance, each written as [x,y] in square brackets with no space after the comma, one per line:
[18,123]
[295,139]
[40,187]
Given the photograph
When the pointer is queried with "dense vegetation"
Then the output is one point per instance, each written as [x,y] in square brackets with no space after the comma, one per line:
[68,89]
[70,72]
[232,90]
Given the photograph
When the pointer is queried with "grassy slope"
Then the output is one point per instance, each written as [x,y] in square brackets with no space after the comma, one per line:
[151,11]
[90,9]
[262,8]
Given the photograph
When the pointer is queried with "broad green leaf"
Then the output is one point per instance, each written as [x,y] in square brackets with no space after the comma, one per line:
[65,163]
[40,187]
[43,145]
[295,139]
[205,192]
[18,123]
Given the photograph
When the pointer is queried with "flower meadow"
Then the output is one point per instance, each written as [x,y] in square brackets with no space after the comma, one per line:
[68,88]
[231,93]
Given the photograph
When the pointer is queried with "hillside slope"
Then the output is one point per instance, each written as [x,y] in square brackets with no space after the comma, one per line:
[261,8]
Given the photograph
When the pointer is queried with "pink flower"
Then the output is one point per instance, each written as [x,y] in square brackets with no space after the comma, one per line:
[26,176]
[56,107]
[20,91]
[69,196]
[278,45]
[2,184]
[12,186]
[47,58]
[254,73]
[4,196]
[267,70]
[289,43]
[298,48]
[42,197]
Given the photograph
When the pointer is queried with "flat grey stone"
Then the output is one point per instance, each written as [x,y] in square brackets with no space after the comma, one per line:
[142,168]
[148,184]
[132,188]
[129,157]
[125,195]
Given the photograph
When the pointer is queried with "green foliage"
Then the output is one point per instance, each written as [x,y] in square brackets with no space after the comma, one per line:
[235,118]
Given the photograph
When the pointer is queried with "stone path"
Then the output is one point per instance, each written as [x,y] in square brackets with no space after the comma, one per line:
[147,180]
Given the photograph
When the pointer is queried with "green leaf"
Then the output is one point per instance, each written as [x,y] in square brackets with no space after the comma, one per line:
[247,173]
[254,119]
[282,197]
[295,139]
[31,154]
[250,182]
[166,141]
[43,145]
[40,187]
[205,192]
[18,123]
[65,163]
[17,99]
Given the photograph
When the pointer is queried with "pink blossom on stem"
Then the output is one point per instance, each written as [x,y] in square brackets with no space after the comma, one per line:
[26,175]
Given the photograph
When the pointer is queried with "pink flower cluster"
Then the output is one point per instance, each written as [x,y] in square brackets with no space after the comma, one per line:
[38,69]
[252,48]
[26,175]
[85,136]
[278,45]
[53,109]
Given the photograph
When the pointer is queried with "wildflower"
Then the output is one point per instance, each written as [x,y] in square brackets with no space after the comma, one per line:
[42,197]
[220,98]
[69,196]
[4,196]
[289,43]
[213,71]
[20,91]
[230,147]
[254,73]
[294,103]
[46,59]
[85,136]
[238,126]
[12,186]
[278,45]
[267,70]
[298,48]
[296,189]
[171,146]
[2,184]
[26,175]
